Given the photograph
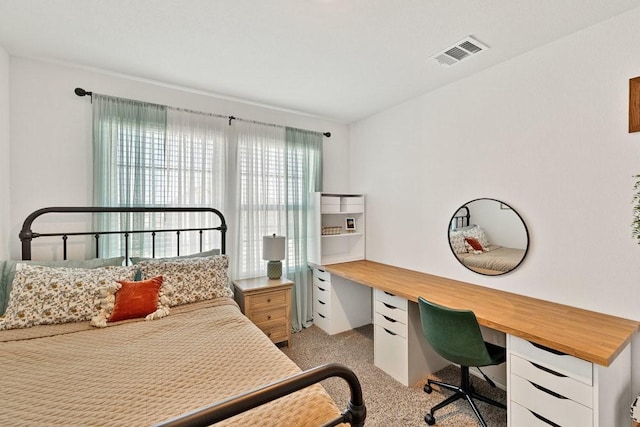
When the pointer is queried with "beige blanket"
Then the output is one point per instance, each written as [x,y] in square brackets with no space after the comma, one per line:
[143,372]
[499,259]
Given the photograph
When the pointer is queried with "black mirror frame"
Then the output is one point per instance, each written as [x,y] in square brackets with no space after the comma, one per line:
[524,224]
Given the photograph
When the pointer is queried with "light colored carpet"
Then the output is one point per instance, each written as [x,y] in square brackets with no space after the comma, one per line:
[388,402]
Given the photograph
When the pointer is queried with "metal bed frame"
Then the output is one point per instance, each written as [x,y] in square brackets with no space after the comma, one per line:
[460,219]
[27,235]
[354,414]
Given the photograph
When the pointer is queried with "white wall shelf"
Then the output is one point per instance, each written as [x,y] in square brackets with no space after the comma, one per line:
[332,210]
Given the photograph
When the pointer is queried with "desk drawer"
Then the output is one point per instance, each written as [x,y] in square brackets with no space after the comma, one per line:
[565,364]
[322,321]
[322,307]
[321,274]
[392,326]
[553,407]
[390,311]
[390,353]
[551,380]
[521,416]
[390,299]
[322,284]
[322,293]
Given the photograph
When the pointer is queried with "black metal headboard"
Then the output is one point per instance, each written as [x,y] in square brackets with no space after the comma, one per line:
[27,234]
[460,219]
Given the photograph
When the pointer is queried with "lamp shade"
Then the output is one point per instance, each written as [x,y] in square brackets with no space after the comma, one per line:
[273,248]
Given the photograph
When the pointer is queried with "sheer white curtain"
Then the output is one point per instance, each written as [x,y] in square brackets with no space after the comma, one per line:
[277,169]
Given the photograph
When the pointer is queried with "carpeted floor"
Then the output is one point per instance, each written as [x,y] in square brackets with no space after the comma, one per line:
[388,402]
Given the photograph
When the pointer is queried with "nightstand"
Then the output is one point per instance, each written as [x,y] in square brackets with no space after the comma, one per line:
[267,303]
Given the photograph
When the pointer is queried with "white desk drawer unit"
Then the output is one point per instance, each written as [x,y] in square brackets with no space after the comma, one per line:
[550,388]
[339,305]
[399,346]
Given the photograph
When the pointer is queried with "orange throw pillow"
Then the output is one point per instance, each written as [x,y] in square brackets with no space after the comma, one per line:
[136,299]
[474,243]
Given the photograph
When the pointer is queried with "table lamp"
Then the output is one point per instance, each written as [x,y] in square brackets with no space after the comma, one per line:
[273,251]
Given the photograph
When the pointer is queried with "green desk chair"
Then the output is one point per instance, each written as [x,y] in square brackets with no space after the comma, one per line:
[455,335]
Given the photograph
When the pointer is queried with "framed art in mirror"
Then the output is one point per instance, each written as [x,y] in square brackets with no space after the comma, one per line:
[488,237]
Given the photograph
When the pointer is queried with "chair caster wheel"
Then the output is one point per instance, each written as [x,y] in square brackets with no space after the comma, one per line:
[429,419]
[427,388]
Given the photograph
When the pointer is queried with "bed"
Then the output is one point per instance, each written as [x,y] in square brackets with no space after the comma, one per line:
[196,361]
[472,247]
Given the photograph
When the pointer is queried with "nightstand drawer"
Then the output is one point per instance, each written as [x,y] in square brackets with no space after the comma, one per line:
[268,299]
[550,405]
[277,332]
[277,313]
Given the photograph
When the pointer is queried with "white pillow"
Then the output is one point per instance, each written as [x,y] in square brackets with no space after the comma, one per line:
[46,295]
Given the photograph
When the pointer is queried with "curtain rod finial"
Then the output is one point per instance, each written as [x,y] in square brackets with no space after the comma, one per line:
[81,92]
[327,134]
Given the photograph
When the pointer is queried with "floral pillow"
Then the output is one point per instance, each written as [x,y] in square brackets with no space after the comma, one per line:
[456,239]
[46,295]
[192,279]
[124,300]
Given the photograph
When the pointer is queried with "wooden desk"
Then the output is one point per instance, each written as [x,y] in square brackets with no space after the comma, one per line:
[588,335]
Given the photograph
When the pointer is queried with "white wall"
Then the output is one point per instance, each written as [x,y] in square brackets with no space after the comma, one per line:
[4,154]
[546,133]
[51,133]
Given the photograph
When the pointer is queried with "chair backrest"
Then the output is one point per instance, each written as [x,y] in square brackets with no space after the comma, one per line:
[453,334]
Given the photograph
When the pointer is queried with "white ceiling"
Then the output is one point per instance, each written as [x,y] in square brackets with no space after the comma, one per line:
[337,59]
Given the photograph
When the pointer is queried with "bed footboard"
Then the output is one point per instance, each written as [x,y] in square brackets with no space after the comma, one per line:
[354,414]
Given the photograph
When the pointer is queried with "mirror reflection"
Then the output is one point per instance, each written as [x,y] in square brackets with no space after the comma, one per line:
[488,237]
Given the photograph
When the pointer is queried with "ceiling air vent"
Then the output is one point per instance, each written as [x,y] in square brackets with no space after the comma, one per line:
[459,51]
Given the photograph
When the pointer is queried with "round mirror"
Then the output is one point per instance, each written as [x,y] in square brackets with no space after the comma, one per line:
[488,237]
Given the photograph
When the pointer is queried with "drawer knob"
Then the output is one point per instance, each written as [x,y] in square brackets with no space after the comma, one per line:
[389,306]
[389,293]
[322,302]
[322,289]
[389,332]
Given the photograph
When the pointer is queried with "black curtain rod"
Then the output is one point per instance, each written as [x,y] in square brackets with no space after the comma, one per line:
[81,92]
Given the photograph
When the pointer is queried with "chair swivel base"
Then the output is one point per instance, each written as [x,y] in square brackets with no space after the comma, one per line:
[464,391]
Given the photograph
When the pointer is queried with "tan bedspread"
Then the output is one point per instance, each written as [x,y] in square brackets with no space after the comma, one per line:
[498,259]
[143,372]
